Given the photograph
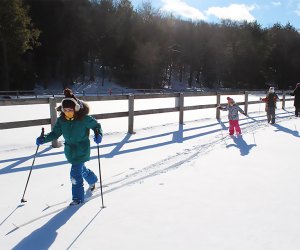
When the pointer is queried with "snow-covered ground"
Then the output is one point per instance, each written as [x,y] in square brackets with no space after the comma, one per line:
[168,186]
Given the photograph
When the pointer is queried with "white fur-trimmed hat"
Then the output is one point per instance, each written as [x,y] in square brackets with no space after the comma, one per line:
[70,101]
[271,90]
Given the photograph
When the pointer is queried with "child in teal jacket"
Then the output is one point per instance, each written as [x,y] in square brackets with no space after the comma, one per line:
[74,125]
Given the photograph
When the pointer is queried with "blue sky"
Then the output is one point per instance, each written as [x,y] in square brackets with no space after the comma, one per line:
[265,12]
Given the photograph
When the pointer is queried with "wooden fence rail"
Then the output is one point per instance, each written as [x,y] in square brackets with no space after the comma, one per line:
[131,113]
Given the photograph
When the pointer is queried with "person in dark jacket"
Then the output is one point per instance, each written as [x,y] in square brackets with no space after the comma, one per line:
[270,101]
[296,93]
[74,125]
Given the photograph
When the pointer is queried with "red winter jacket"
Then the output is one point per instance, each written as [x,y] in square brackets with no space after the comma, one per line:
[270,100]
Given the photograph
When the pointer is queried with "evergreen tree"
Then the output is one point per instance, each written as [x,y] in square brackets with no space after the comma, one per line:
[17,35]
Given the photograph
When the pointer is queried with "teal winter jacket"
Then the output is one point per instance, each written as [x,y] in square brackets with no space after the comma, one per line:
[76,134]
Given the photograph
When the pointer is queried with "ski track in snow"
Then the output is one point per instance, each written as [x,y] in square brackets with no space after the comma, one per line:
[183,157]
[179,159]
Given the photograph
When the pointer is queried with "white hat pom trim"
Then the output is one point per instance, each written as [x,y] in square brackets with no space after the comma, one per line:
[77,105]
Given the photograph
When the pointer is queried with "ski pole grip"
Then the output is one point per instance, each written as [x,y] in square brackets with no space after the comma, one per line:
[43,132]
[96,132]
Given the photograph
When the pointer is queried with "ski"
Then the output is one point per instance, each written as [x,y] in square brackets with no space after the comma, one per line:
[96,193]
[88,194]
[87,199]
[21,205]
[35,219]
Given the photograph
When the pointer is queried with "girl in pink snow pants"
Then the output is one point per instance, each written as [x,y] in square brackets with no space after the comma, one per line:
[233,115]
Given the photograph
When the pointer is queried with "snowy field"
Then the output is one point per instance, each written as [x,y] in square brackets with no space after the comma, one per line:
[168,186]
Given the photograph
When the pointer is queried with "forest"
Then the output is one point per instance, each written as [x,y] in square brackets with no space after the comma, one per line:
[69,41]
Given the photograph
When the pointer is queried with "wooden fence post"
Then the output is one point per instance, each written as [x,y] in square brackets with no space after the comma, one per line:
[181,107]
[53,117]
[218,103]
[283,100]
[246,102]
[130,113]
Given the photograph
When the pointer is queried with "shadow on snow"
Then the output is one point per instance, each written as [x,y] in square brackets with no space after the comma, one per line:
[177,137]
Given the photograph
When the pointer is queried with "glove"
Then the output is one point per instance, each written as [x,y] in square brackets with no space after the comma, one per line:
[40,140]
[97,139]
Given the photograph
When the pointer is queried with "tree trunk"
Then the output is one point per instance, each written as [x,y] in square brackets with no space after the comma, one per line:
[181,74]
[191,77]
[198,77]
[92,73]
[170,75]
[103,74]
[6,85]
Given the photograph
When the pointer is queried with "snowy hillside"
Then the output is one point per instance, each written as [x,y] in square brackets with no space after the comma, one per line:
[87,87]
[167,186]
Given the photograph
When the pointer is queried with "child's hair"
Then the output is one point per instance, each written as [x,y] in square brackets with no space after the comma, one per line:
[230,100]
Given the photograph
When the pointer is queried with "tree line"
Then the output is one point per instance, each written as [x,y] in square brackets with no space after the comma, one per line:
[73,40]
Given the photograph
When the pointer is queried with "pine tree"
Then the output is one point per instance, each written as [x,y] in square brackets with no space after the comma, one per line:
[17,35]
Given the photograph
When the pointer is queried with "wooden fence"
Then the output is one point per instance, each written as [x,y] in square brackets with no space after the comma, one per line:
[131,113]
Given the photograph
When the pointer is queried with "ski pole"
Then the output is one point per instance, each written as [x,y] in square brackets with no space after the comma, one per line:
[251,129]
[222,136]
[259,107]
[23,200]
[100,178]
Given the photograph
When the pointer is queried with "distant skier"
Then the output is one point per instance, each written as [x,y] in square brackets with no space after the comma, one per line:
[296,93]
[233,116]
[270,101]
[74,124]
